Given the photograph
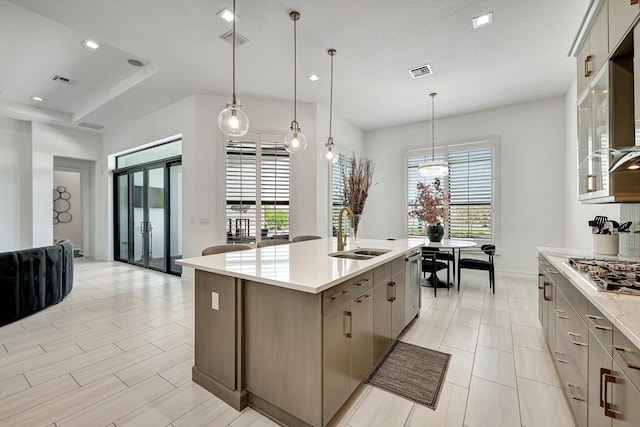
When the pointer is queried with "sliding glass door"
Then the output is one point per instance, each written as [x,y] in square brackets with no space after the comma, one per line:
[149,215]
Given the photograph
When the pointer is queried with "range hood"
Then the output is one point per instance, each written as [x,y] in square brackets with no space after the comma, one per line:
[628,159]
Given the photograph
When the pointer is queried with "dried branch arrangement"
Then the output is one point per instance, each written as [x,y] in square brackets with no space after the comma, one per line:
[431,204]
[357,178]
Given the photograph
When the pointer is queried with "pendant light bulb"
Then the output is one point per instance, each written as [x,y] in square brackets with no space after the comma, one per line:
[232,121]
[295,141]
[329,153]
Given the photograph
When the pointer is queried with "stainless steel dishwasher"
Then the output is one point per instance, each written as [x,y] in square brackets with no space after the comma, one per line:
[413,299]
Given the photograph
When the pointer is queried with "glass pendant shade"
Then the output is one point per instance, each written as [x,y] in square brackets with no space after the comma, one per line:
[295,141]
[434,169]
[329,153]
[232,121]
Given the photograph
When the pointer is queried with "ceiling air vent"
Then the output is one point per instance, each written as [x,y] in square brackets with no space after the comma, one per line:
[90,125]
[240,39]
[63,80]
[423,70]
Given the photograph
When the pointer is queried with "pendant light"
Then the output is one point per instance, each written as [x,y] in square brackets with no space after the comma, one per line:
[329,153]
[433,168]
[295,141]
[232,121]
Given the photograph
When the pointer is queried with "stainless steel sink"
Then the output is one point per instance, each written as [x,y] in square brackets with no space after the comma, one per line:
[361,254]
[371,252]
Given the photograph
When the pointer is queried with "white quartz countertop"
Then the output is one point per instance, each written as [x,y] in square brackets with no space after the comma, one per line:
[622,310]
[304,266]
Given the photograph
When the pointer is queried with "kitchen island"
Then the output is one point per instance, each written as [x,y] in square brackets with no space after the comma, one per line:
[292,331]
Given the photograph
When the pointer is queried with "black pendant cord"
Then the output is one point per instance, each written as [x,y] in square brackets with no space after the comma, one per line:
[295,86]
[433,132]
[332,53]
[233,96]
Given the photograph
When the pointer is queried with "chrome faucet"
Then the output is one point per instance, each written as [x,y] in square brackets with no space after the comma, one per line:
[343,239]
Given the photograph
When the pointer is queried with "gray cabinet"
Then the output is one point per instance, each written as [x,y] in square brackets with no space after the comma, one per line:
[388,305]
[361,346]
[398,304]
[335,360]
[547,301]
[595,48]
[622,14]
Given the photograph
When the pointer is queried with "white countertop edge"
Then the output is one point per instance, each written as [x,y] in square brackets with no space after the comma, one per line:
[605,300]
[407,245]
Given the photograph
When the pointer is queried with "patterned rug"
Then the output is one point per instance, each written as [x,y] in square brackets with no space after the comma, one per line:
[415,373]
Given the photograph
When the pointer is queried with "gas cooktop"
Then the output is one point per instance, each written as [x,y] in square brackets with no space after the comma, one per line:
[610,275]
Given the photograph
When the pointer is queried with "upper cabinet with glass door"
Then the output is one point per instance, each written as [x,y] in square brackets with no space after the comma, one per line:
[605,103]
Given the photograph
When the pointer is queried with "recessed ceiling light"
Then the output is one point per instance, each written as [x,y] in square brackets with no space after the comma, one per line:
[91,44]
[37,98]
[482,20]
[226,14]
[313,77]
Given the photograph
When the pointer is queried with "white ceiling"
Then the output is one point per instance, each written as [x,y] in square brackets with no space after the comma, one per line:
[522,56]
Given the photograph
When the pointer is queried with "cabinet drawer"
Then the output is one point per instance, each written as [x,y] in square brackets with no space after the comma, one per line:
[334,297]
[601,327]
[573,385]
[361,283]
[578,301]
[627,356]
[382,273]
[574,333]
[397,265]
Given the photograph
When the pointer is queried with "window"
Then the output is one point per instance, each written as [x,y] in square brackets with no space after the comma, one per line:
[470,184]
[337,189]
[257,189]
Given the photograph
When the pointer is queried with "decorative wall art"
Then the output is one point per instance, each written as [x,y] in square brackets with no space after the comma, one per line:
[61,205]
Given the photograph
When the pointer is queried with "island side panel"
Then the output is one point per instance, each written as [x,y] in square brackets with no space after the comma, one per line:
[216,337]
[283,350]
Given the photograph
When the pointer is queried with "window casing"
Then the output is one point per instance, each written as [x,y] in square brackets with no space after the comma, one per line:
[471,185]
[257,189]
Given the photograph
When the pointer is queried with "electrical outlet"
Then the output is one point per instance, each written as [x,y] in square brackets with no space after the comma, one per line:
[215,301]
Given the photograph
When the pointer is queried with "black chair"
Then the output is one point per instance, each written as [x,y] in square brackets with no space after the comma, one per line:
[480,264]
[450,257]
[430,264]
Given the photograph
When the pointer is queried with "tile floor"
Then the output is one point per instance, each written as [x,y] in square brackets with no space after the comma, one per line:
[119,351]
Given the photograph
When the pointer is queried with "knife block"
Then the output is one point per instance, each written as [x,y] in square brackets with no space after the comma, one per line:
[605,244]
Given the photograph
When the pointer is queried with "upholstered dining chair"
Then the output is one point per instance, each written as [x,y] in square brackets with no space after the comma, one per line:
[272,242]
[219,249]
[304,237]
[430,264]
[480,264]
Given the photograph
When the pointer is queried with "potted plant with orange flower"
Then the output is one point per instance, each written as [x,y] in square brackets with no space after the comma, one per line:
[431,207]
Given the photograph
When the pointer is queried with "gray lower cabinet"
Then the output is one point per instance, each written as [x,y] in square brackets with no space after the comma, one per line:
[335,361]
[388,305]
[381,320]
[361,345]
[398,304]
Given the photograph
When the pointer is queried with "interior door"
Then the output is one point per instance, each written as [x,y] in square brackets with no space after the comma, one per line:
[154,230]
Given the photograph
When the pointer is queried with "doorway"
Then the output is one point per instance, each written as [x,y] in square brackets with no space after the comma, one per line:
[148,215]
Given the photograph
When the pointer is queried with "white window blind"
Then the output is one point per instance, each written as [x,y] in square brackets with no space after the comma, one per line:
[337,188]
[257,191]
[470,185]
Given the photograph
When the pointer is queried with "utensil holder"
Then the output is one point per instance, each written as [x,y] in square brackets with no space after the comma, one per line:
[605,244]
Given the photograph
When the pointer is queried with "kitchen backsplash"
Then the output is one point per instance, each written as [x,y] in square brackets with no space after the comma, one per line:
[630,242]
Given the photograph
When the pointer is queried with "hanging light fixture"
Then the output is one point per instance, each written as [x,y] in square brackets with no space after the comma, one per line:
[433,168]
[295,141]
[232,121]
[329,153]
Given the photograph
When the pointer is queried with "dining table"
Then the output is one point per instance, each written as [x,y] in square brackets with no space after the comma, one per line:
[444,245]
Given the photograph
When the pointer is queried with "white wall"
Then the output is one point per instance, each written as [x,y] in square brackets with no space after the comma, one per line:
[15,146]
[531,175]
[577,231]
[71,230]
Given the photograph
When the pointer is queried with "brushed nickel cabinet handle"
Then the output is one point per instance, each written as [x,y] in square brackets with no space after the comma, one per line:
[607,406]
[560,360]
[391,291]
[363,298]
[573,335]
[362,282]
[338,295]
[587,66]
[348,323]
[561,316]
[621,351]
[603,328]
[544,291]
[603,372]
[573,395]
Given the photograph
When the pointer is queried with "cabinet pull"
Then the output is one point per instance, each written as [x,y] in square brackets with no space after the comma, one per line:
[348,323]
[338,295]
[587,66]
[603,371]
[590,181]
[607,406]
[363,298]
[552,271]
[362,282]
[621,351]
[559,359]
[573,396]
[391,291]
[574,342]
[561,316]
[595,325]
[544,291]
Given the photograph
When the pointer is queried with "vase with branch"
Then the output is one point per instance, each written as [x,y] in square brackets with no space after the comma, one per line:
[357,179]
[431,207]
